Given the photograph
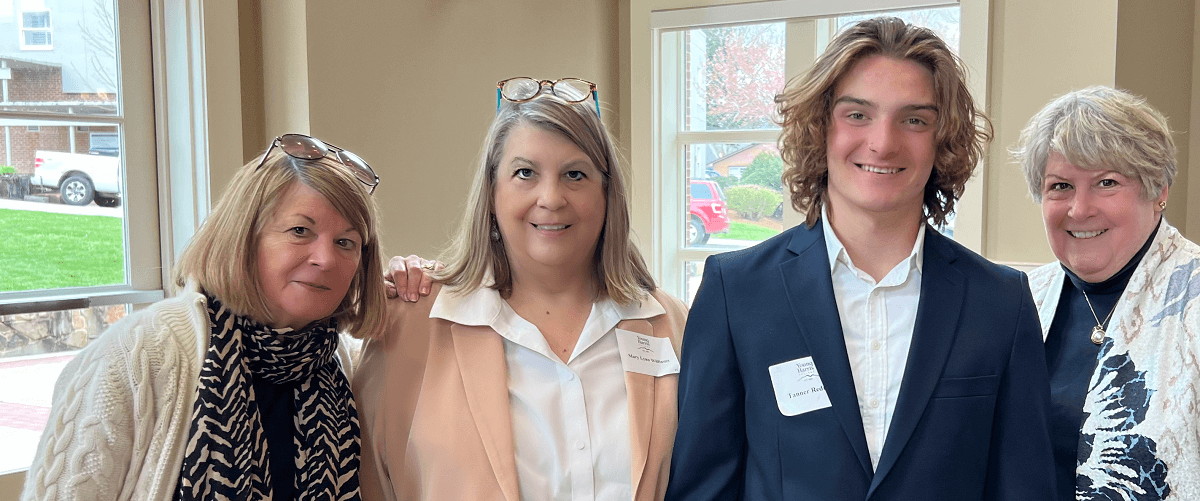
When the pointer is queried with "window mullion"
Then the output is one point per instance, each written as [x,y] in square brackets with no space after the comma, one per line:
[728,136]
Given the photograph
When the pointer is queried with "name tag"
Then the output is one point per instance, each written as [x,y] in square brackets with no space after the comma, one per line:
[649,355]
[798,387]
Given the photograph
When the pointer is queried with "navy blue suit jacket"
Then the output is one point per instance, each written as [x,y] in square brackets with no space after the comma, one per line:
[970,420]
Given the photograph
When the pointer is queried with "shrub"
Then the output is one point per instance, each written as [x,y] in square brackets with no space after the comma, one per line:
[753,201]
[765,170]
[7,169]
[724,181]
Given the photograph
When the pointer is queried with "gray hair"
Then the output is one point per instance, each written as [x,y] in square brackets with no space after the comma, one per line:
[619,270]
[1099,128]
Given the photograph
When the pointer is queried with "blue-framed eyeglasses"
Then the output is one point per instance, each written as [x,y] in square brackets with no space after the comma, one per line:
[522,89]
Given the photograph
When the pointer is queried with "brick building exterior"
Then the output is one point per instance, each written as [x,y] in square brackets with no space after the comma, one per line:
[40,87]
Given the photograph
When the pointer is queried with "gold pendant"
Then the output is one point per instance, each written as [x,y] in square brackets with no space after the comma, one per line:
[1097,334]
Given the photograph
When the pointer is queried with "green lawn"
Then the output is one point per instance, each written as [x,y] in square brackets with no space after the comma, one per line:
[746,231]
[43,250]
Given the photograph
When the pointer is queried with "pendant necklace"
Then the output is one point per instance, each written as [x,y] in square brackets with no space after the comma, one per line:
[1098,330]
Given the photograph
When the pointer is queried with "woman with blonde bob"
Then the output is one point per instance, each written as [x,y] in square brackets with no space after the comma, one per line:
[235,388]
[544,364]
[1119,310]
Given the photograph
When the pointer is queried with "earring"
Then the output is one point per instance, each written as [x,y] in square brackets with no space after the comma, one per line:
[1162,205]
[495,231]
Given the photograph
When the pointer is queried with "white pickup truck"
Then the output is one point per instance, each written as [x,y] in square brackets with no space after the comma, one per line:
[79,178]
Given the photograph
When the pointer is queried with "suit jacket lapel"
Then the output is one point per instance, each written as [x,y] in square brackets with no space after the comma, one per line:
[640,390]
[480,354]
[942,288]
[806,278]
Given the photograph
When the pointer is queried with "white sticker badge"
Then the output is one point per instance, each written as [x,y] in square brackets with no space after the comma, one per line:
[798,387]
[649,355]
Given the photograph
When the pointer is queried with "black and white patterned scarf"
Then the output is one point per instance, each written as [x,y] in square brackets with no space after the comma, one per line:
[226,454]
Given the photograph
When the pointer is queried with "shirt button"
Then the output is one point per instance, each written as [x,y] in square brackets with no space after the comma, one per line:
[570,376]
[874,403]
[580,445]
[875,345]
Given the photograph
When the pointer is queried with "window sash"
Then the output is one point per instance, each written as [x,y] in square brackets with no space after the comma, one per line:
[144,273]
[655,86]
[32,20]
[37,37]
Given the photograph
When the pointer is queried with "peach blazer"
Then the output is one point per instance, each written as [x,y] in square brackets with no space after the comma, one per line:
[433,405]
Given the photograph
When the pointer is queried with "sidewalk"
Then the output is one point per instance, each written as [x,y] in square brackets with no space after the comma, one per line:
[26,388]
[87,210]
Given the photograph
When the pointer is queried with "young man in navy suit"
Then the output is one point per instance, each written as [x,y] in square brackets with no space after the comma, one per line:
[863,355]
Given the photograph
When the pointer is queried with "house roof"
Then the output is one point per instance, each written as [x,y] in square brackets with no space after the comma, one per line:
[17,62]
[742,150]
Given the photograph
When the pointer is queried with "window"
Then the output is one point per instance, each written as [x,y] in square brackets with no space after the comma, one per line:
[102,143]
[719,130]
[711,75]
[35,31]
[75,262]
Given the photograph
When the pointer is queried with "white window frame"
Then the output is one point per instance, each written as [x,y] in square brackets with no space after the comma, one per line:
[166,159]
[143,276]
[48,30]
[656,139]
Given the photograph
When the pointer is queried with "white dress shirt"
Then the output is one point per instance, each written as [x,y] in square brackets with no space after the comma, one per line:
[570,421]
[877,321]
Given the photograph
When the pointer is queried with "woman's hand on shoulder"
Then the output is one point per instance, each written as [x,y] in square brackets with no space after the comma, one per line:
[409,277]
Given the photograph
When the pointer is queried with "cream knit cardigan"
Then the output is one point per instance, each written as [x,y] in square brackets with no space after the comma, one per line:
[123,407]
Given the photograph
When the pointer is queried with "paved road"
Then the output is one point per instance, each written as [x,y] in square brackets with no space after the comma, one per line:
[88,210]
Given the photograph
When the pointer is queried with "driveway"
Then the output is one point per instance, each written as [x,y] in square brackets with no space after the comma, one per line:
[87,210]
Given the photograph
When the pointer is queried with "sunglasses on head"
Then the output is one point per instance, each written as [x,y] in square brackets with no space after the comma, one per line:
[310,148]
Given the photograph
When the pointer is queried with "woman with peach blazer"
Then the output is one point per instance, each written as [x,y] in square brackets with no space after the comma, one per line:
[545,363]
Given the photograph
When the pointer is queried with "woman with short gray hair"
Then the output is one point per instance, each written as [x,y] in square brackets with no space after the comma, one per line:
[1119,311]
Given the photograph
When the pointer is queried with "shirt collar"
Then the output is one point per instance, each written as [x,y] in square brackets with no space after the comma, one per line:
[479,308]
[836,251]
[484,306]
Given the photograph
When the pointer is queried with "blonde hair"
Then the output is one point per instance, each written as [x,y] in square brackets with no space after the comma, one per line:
[618,268]
[222,256]
[807,101]
[1099,128]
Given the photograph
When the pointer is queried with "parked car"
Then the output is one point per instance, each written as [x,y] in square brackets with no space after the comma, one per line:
[79,178]
[707,213]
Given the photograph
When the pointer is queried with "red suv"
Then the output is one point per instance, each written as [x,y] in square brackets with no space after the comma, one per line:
[707,214]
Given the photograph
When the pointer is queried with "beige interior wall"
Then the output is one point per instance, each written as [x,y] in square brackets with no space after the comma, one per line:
[1145,48]
[450,53]
[412,90]
[1036,56]
[1192,227]
[285,66]
[254,134]
[222,74]
[11,484]
[1154,60]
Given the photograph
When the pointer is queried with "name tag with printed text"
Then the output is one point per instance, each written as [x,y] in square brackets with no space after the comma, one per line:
[649,355]
[798,387]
